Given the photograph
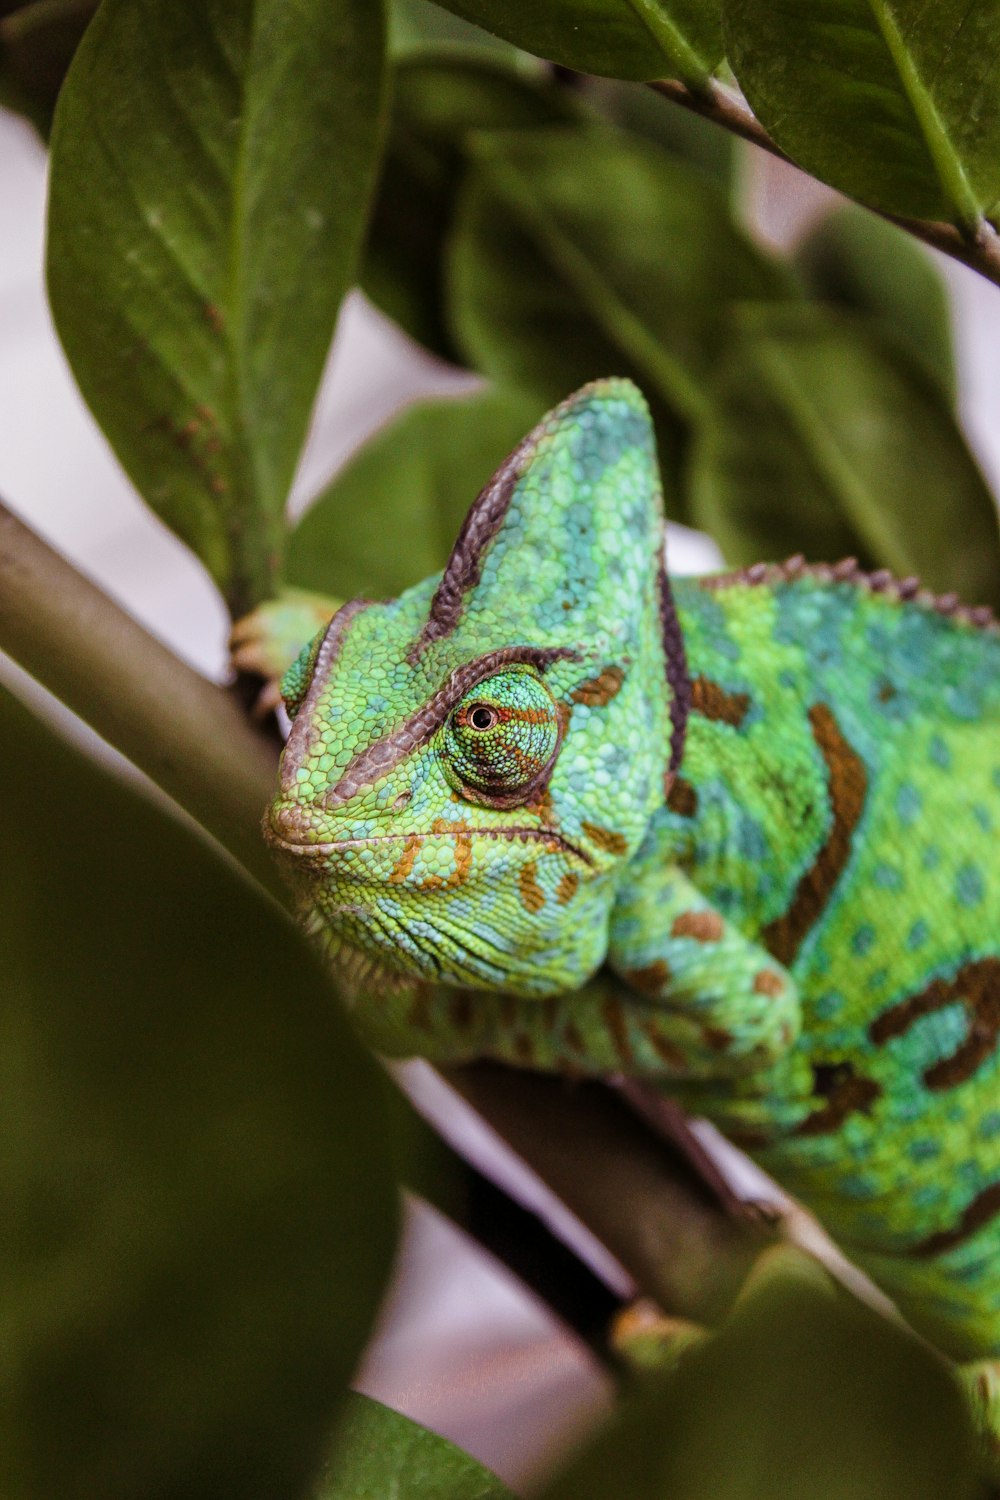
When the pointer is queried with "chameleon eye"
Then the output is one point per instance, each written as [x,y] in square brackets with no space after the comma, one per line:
[501,738]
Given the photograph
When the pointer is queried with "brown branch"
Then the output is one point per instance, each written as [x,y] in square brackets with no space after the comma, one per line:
[981,252]
[189,737]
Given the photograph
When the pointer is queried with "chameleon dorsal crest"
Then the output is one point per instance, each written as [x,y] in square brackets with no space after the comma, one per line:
[507,726]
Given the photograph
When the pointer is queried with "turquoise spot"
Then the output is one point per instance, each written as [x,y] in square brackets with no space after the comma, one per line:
[969,887]
[989,1125]
[932,857]
[983,816]
[923,1150]
[907,803]
[862,939]
[939,753]
[918,934]
[888,878]
[926,1194]
[828,1004]
[857,1185]
[877,980]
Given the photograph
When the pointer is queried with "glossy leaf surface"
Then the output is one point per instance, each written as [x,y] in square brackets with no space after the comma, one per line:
[619,38]
[895,102]
[827,438]
[380,1453]
[195,1191]
[211,167]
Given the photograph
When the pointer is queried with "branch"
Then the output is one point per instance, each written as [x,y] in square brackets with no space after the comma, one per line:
[642,1199]
[189,737]
[723,107]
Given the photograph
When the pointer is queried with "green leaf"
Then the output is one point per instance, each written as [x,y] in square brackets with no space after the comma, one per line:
[895,102]
[37,43]
[711,151]
[195,1190]
[417,23]
[439,97]
[211,166]
[801,1395]
[391,516]
[854,260]
[380,1453]
[620,38]
[554,283]
[827,438]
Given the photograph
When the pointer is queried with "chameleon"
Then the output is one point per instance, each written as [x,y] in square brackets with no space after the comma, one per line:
[733,835]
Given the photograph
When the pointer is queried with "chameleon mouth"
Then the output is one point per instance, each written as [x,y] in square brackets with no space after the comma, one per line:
[303,850]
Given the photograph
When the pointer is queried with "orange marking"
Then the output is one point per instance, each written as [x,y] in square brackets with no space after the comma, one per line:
[703,926]
[531,893]
[605,838]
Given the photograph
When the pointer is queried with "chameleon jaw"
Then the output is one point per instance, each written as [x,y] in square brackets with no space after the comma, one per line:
[555,842]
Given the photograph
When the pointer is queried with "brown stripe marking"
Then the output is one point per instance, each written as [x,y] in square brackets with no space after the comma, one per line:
[615,1020]
[682,798]
[531,893]
[846,1093]
[369,765]
[597,692]
[651,979]
[717,703]
[669,1051]
[977,985]
[848,784]
[675,660]
[703,926]
[983,1207]
[567,887]
[605,838]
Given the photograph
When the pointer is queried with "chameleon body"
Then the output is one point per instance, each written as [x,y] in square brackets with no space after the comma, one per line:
[733,835]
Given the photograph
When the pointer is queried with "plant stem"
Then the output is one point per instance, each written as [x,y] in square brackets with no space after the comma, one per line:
[190,737]
[980,251]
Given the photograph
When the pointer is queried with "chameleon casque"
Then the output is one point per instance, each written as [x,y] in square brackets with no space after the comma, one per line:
[733,835]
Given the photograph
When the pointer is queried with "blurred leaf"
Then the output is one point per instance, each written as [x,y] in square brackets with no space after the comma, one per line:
[197,1206]
[713,152]
[897,104]
[391,516]
[827,438]
[801,1396]
[418,23]
[620,38]
[438,98]
[554,283]
[859,262]
[37,43]
[380,1453]
[211,167]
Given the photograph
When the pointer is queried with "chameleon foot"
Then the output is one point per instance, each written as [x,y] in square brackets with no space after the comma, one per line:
[265,642]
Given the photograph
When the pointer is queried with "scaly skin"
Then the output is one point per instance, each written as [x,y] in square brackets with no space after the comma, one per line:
[736,838]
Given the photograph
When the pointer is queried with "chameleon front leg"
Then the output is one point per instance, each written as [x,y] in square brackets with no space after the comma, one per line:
[697,1002]
[267,641]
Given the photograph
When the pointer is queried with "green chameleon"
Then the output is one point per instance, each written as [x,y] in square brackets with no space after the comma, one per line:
[735,836]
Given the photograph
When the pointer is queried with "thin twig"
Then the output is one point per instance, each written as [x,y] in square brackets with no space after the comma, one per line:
[723,107]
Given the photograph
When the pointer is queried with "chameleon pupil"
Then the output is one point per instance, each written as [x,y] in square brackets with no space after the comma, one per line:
[482,718]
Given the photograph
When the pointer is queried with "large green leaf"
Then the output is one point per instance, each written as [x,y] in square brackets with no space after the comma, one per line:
[855,260]
[895,102]
[801,1396]
[194,1186]
[211,166]
[555,282]
[438,98]
[380,1453]
[826,437]
[417,23]
[619,38]
[37,43]
[391,516]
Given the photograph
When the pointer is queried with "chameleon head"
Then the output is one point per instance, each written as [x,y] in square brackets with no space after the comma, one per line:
[471,765]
